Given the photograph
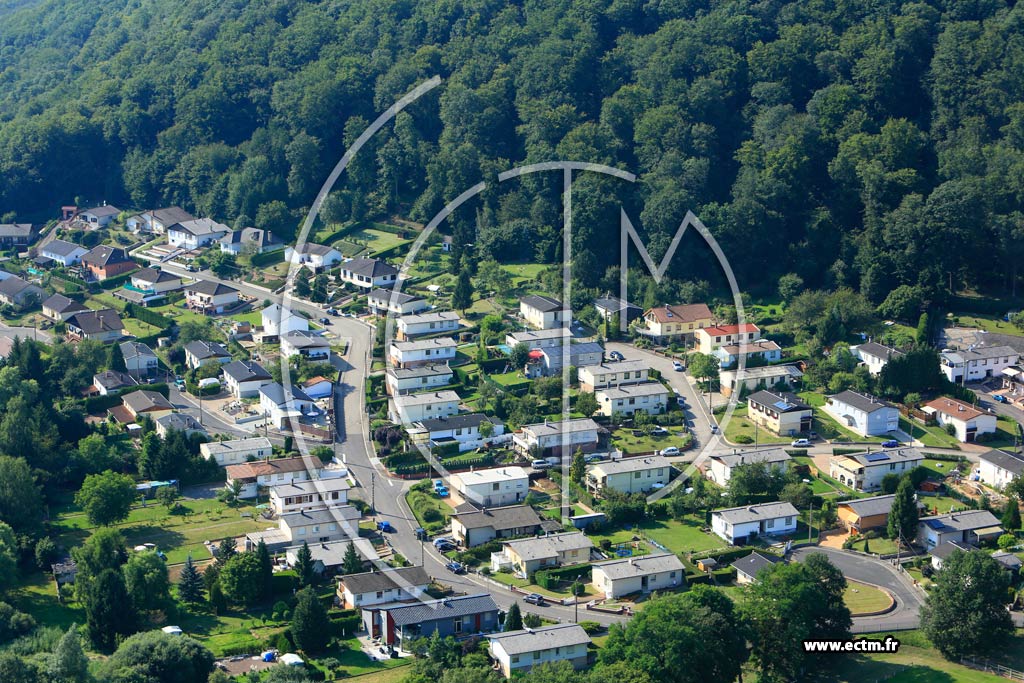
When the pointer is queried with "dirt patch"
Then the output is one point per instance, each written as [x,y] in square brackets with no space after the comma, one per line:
[834,539]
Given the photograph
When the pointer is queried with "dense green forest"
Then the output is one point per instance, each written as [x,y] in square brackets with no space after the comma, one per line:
[867,144]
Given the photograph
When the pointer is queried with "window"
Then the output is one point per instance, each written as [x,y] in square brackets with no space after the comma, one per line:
[494,487]
[789,521]
[515,659]
[536,655]
[892,466]
[770,524]
[636,475]
[380,594]
[457,624]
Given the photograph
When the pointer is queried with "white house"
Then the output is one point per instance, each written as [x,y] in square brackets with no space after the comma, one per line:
[711,338]
[767,377]
[199,353]
[369,273]
[409,408]
[435,350]
[606,375]
[979,362]
[629,475]
[427,323]
[59,307]
[680,322]
[281,405]
[99,216]
[464,430]
[152,280]
[382,587]
[139,359]
[966,526]
[863,413]
[874,356]
[64,253]
[314,494]
[237,451]
[278,320]
[740,525]
[539,339]
[781,413]
[196,233]
[722,466]
[494,487]
[417,378]
[638,575]
[304,343]
[265,473]
[516,652]
[998,468]
[526,555]
[748,568]
[967,420]
[178,422]
[245,377]
[649,397]
[384,301]
[112,381]
[550,360]
[314,256]
[865,471]
[158,220]
[543,312]
[250,241]
[764,350]
[210,297]
[548,438]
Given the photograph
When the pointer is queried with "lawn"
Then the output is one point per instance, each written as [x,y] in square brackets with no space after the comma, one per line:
[254,318]
[909,665]
[37,596]
[431,512]
[511,381]
[677,536]
[880,546]
[357,663]
[739,429]
[989,323]
[624,440]
[930,435]
[864,599]
[524,273]
[827,427]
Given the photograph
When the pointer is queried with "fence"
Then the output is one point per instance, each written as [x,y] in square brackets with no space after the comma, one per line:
[885,626]
[991,667]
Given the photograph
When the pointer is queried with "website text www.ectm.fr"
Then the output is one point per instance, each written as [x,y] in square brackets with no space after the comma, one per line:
[888,645]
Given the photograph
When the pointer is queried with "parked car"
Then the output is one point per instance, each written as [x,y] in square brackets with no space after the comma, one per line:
[891,443]
[445,547]
[192,269]
[534,599]
[442,492]
[325,321]
[659,431]
[999,398]
[386,527]
[455,568]
[677,366]
[616,355]
[671,450]
[801,443]
[593,457]
[540,464]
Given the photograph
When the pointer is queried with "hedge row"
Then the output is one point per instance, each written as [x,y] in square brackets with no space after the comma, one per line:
[423,467]
[551,578]
[147,315]
[117,280]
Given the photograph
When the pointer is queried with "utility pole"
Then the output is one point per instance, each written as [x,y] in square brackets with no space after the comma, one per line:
[810,519]
[373,495]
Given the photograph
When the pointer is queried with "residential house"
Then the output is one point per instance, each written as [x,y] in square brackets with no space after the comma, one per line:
[608,375]
[665,324]
[966,526]
[99,216]
[266,473]
[610,306]
[399,624]
[549,361]
[461,430]
[516,652]
[543,312]
[318,387]
[428,323]
[139,359]
[723,465]
[278,320]
[967,421]
[539,339]
[524,556]
[476,527]
[384,301]
[148,403]
[313,256]
[250,241]
[417,378]
[874,356]
[492,487]
[103,325]
[311,345]
[387,586]
[977,363]
[369,273]
[282,406]
[779,377]
[62,252]
[155,281]
[863,413]
[178,422]
[329,558]
[711,338]
[210,297]
[549,438]
[863,514]
[17,235]
[59,307]
[638,575]
[432,351]
[410,408]
[199,353]
[760,351]
[942,552]
[998,468]
[748,568]
[744,524]
[245,377]
[20,294]
[112,381]
[237,451]
[865,471]
[315,527]
[195,233]
[104,262]
[158,220]
[649,397]
[781,413]
[629,475]
[314,494]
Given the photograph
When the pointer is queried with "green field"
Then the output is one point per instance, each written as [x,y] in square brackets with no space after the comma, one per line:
[739,429]
[425,504]
[930,435]
[624,440]
[863,599]
[880,546]
[677,536]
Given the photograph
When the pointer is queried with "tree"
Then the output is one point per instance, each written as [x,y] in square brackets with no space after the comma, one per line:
[109,612]
[167,496]
[965,612]
[586,403]
[578,468]
[1011,515]
[16,669]
[240,579]
[462,295]
[513,619]
[106,498]
[46,553]
[217,600]
[923,335]
[304,565]
[311,627]
[103,550]
[703,367]
[145,578]
[351,563]
[190,584]
[157,657]
[903,516]
[519,355]
[68,663]
[266,570]
[226,549]
[20,497]
[799,494]
[890,482]
[790,285]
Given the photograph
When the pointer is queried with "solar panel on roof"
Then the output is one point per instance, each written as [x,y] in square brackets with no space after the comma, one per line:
[781,405]
[934,524]
[876,457]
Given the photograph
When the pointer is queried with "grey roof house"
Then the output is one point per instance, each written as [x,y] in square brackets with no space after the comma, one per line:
[460,616]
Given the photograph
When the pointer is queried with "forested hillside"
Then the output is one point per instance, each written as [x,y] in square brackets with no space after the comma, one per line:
[868,144]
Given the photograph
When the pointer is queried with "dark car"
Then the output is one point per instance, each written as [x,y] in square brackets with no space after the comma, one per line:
[999,398]
[615,355]
[455,567]
[891,443]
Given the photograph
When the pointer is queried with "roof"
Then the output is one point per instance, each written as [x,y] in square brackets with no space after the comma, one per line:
[379,581]
[369,267]
[869,507]
[626,465]
[582,424]
[543,638]
[15,229]
[330,554]
[206,349]
[255,236]
[171,215]
[432,317]
[613,304]
[492,475]
[754,563]
[980,353]
[755,513]
[499,519]
[539,335]
[304,339]
[554,354]
[113,379]
[965,520]
[15,285]
[625,568]
[621,366]
[680,313]
[634,390]
[725,330]
[392,296]
[199,227]
[63,304]
[462,421]
[340,513]
[1011,462]
[944,550]
[425,398]
[60,248]
[134,349]
[422,344]
[259,468]
[784,402]
[542,547]
[420,371]
[245,371]
[311,248]
[104,255]
[313,486]
[756,346]
[210,288]
[153,275]
[544,304]
[886,456]
[143,400]
[277,393]
[876,350]
[180,422]
[953,408]
[105,210]
[95,322]
[1007,559]
[406,614]
[221,447]
[765,455]
[767,372]
[859,401]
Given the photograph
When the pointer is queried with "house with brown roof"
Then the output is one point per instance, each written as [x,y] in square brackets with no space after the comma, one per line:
[148,403]
[265,473]
[664,324]
[103,325]
[967,421]
[104,262]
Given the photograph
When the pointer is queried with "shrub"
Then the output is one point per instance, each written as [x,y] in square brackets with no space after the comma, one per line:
[591,627]
[531,620]
[1006,541]
[743,438]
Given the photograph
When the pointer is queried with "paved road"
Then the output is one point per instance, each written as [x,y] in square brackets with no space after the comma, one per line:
[26,333]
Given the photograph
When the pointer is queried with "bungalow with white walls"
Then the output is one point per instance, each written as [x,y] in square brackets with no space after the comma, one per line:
[462,429]
[548,437]
[237,451]
[516,652]
[278,320]
[381,587]
[862,413]
[998,468]
[494,487]
[629,475]
[874,356]
[250,241]
[199,353]
[312,345]
[638,575]
[434,322]
[435,350]
[99,216]
[245,377]
[271,472]
[196,233]
[409,408]
[156,281]
[543,312]
[369,273]
[417,378]
[865,471]
[968,421]
[281,405]
[740,525]
[384,301]
[722,465]
[315,494]
[62,252]
[607,375]
[649,397]
[539,339]
[158,220]
[313,256]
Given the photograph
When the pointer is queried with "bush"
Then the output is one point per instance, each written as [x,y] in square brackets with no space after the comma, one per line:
[743,438]
[531,620]
[591,627]
[1006,541]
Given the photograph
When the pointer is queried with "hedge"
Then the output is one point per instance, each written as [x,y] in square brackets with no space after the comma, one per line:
[550,578]
[423,467]
[446,450]
[345,622]
[117,280]
[148,316]
[267,258]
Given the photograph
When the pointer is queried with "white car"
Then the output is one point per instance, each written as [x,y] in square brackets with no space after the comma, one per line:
[677,366]
[671,450]
[801,443]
